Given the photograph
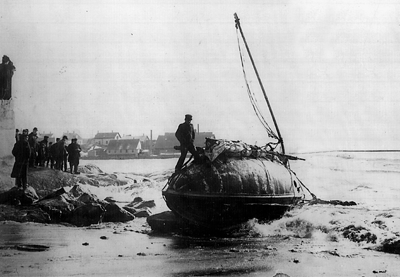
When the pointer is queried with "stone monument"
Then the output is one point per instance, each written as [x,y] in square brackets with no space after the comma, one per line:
[7,120]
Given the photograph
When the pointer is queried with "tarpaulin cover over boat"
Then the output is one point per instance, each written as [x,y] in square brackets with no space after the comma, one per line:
[235,174]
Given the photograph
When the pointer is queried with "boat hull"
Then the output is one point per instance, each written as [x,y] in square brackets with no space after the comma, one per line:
[232,191]
[218,212]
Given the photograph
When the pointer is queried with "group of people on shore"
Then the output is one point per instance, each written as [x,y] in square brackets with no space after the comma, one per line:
[31,153]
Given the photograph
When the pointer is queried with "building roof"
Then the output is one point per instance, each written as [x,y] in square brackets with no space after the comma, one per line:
[167,141]
[110,135]
[95,147]
[123,144]
[142,138]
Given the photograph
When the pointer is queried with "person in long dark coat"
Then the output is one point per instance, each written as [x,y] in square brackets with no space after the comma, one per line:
[42,151]
[74,150]
[65,158]
[22,153]
[60,152]
[49,157]
[34,147]
[186,135]
[54,153]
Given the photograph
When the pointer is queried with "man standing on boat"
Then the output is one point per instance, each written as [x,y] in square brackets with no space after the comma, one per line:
[186,134]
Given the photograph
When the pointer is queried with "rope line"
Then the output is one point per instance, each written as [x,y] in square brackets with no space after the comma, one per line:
[252,97]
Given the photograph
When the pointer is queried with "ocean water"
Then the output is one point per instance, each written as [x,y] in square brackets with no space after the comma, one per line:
[371,179]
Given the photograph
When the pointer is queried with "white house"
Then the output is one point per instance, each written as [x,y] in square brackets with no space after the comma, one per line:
[124,148]
[105,138]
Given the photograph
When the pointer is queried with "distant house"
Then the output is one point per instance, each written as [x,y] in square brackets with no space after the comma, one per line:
[123,148]
[127,137]
[165,143]
[104,138]
[145,141]
[72,135]
[96,151]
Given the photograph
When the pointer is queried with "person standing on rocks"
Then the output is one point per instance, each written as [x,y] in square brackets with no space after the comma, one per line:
[49,157]
[42,151]
[34,147]
[186,135]
[74,150]
[65,158]
[53,152]
[21,152]
[59,152]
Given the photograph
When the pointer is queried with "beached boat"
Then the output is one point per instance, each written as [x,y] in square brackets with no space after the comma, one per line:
[235,181]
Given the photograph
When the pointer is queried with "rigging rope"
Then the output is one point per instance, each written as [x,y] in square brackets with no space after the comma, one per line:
[252,97]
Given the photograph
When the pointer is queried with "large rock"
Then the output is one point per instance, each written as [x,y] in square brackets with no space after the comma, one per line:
[139,207]
[45,180]
[16,196]
[23,214]
[87,214]
[391,246]
[90,169]
[139,203]
[165,222]
[59,208]
[54,194]
[83,195]
[64,206]
[116,214]
[143,212]
[129,209]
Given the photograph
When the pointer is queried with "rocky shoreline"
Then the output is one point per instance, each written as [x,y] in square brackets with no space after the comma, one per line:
[54,196]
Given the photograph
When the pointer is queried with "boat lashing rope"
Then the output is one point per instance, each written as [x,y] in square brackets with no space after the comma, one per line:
[316,200]
[252,97]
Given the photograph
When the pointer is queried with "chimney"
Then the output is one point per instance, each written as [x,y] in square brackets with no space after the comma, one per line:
[151,142]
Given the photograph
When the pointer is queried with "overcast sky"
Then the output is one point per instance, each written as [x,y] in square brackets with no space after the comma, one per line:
[330,68]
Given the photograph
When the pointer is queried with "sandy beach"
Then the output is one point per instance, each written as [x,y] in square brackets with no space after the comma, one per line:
[123,250]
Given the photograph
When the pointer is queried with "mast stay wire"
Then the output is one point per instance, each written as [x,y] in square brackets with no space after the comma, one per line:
[253,98]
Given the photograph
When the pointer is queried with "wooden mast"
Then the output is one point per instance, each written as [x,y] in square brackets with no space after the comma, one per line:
[259,81]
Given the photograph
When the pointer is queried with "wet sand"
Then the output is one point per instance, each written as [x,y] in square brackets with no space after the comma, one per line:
[132,250]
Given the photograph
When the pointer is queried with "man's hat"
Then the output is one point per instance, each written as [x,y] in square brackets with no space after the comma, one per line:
[46,137]
[74,139]
[188,116]
[35,129]
[65,137]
